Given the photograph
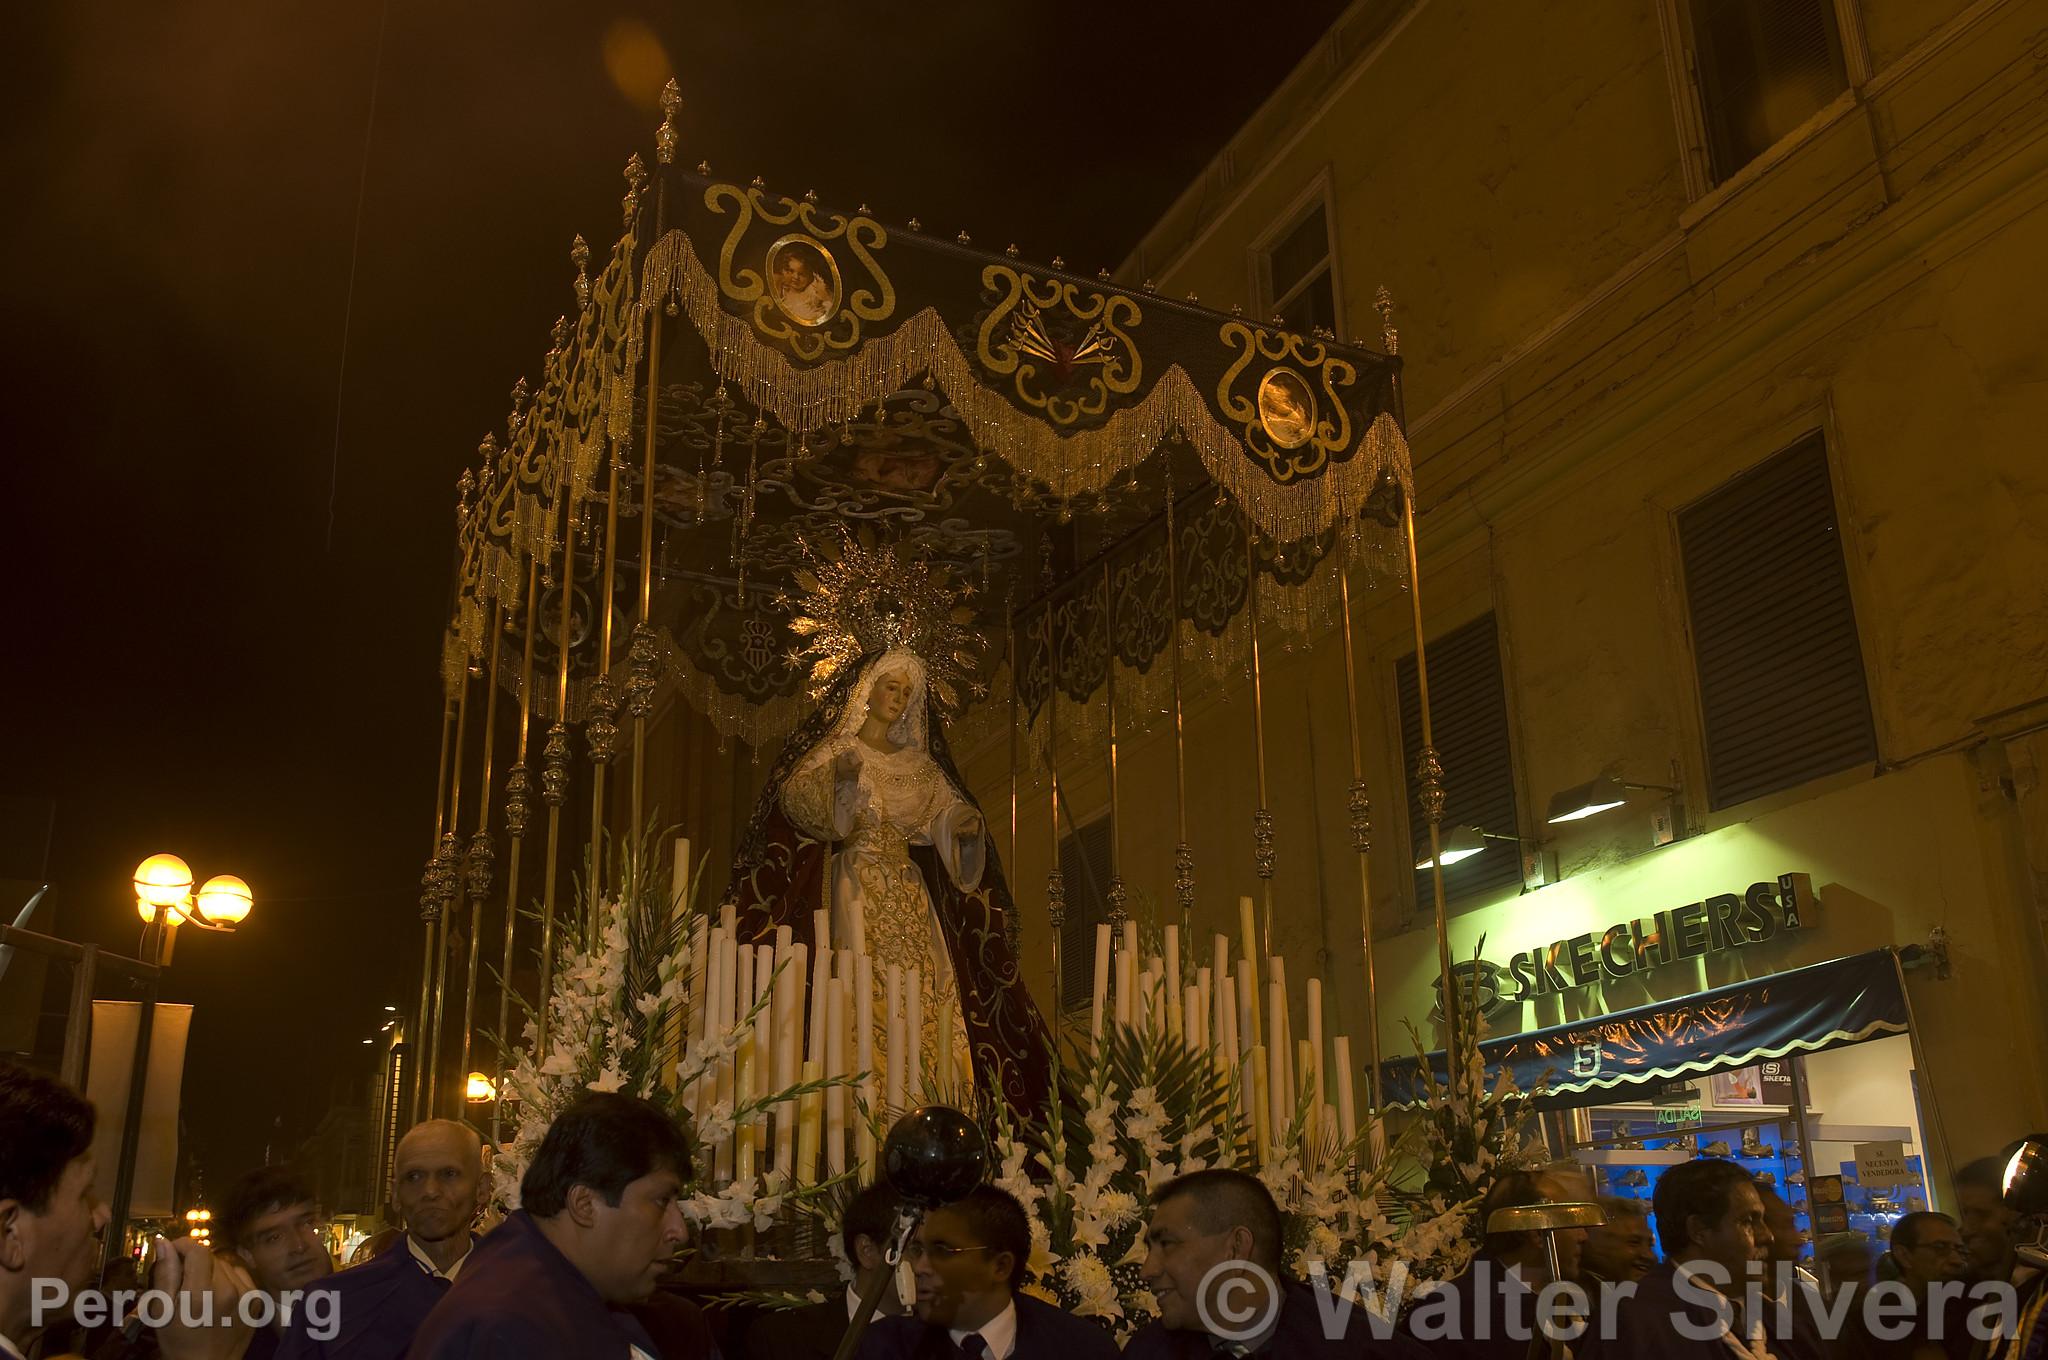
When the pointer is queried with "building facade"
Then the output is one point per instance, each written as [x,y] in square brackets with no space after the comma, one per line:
[1726,384]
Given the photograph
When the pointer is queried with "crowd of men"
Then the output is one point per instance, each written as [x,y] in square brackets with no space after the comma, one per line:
[575,1270]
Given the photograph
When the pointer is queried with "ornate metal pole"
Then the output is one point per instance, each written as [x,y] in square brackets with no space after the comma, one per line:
[1013,920]
[600,728]
[1429,769]
[1118,897]
[645,665]
[477,866]
[1361,841]
[1264,858]
[1055,881]
[1183,853]
[518,788]
[554,773]
[430,914]
[449,858]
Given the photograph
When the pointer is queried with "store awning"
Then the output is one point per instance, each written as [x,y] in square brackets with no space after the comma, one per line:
[1594,1061]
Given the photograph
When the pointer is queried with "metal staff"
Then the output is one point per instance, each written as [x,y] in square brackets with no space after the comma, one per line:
[450,858]
[430,912]
[1264,858]
[1429,769]
[554,773]
[1055,881]
[600,730]
[1117,896]
[477,866]
[1013,920]
[517,789]
[1361,841]
[645,664]
[1183,853]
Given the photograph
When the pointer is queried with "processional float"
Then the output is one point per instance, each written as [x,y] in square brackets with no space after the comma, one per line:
[1117,490]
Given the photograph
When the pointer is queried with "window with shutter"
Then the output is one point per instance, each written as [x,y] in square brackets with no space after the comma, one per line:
[1468,711]
[1085,868]
[1783,697]
[1298,277]
[1765,67]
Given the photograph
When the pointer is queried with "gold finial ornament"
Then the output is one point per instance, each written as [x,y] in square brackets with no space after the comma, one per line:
[1383,303]
[477,865]
[860,599]
[518,792]
[810,195]
[665,135]
[579,255]
[962,238]
[636,181]
[1011,250]
[916,225]
[703,167]
[1058,263]
[643,675]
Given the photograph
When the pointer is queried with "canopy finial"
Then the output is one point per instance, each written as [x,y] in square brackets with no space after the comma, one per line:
[1383,303]
[665,136]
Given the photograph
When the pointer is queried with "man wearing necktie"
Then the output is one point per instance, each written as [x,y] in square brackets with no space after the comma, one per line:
[437,1179]
[968,1259]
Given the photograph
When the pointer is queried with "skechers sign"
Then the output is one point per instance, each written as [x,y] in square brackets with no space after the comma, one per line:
[1713,925]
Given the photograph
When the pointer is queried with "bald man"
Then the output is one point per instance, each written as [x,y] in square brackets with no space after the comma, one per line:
[437,1179]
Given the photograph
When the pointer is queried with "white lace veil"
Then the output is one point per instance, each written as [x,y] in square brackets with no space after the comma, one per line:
[912,730]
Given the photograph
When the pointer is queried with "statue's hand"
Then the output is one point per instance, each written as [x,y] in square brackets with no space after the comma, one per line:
[846,766]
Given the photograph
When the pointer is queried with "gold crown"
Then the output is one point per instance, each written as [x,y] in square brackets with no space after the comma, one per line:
[859,598]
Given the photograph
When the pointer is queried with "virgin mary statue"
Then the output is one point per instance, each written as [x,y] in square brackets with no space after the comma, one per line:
[867,783]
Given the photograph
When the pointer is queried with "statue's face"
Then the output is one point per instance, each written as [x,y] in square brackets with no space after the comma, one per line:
[890,696]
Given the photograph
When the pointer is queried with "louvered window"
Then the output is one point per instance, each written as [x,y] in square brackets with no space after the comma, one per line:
[1782,692]
[1298,277]
[1765,67]
[1085,866]
[1468,712]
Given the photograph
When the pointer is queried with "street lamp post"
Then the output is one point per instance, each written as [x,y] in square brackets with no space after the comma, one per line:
[165,900]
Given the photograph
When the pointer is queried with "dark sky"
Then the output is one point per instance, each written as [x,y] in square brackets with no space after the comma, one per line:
[222,624]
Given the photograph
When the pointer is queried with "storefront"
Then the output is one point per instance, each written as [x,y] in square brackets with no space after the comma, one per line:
[1805,1077]
[1773,991]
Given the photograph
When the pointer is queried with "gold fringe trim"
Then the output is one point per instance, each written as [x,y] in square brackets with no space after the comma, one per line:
[807,400]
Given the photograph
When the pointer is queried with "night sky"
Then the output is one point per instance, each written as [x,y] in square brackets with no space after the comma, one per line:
[223,619]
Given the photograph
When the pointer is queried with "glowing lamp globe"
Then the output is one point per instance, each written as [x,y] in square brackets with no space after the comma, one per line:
[225,900]
[162,881]
[478,1088]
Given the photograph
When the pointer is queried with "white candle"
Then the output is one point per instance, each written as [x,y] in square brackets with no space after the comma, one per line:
[1281,1058]
[764,1034]
[1124,983]
[1300,1072]
[821,930]
[893,1091]
[744,1059]
[807,1128]
[943,1036]
[1102,953]
[1195,1013]
[1174,1019]
[1257,1082]
[913,1037]
[1131,938]
[1247,934]
[864,1045]
[1347,1111]
[728,917]
[1247,1008]
[821,973]
[1279,1100]
[835,1065]
[1315,1039]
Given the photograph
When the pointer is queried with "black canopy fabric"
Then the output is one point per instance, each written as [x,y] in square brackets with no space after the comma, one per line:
[818,369]
[1602,1060]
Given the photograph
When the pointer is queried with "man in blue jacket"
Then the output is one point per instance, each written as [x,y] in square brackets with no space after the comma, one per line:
[969,1257]
[437,1179]
[601,1214]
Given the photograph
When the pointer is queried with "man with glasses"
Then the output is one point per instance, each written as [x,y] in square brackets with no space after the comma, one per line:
[1918,1315]
[968,1259]
[1212,1262]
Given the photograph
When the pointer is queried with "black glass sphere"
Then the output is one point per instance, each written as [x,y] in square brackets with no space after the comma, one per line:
[935,1155]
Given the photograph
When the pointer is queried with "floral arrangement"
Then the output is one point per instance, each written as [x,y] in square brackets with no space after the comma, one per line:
[614,1022]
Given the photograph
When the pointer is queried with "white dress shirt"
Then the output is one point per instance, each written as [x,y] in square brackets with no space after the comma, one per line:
[8,1348]
[998,1334]
[426,1262]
